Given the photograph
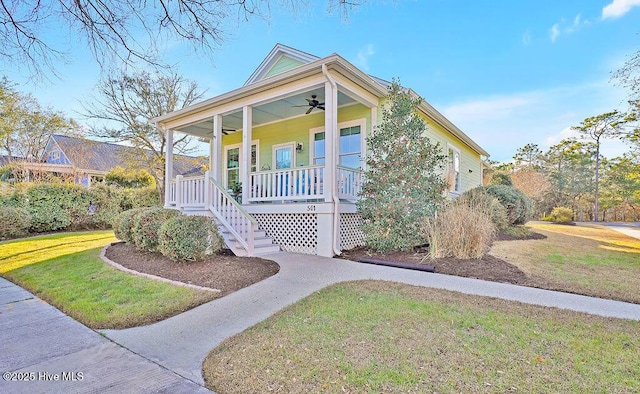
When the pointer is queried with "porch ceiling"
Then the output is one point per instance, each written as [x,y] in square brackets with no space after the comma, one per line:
[274,111]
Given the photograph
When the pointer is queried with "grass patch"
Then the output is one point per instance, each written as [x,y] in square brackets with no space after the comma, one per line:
[384,337]
[66,271]
[591,260]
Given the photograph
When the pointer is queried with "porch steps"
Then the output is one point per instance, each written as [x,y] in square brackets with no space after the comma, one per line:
[262,244]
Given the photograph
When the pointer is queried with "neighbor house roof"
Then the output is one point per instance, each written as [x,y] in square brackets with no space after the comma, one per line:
[6,159]
[102,157]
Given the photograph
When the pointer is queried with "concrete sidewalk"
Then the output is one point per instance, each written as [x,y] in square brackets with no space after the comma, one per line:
[57,354]
[182,342]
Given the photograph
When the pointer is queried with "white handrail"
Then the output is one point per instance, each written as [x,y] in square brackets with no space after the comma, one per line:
[232,216]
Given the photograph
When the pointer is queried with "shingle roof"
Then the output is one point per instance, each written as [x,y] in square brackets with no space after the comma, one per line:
[103,156]
[6,159]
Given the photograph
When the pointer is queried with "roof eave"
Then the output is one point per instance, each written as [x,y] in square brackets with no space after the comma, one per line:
[333,61]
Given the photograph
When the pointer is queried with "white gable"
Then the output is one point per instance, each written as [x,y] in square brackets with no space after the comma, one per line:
[281,58]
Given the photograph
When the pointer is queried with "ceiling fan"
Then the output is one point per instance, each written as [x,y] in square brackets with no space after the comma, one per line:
[312,103]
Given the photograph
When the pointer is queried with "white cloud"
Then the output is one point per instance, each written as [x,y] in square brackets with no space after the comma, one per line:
[618,8]
[554,32]
[526,37]
[362,58]
[563,28]
[503,123]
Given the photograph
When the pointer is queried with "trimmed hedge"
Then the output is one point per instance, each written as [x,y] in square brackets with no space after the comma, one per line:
[60,206]
[519,207]
[14,222]
[123,226]
[189,238]
[146,225]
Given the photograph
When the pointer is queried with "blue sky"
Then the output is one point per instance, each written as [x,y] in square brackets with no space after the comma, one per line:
[506,72]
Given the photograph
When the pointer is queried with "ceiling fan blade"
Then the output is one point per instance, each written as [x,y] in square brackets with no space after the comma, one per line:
[309,111]
[321,107]
[310,101]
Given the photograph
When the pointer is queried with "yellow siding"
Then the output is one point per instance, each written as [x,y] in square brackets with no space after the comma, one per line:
[295,130]
[469,160]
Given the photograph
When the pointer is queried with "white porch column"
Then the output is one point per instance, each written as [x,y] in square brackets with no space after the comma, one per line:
[168,166]
[331,140]
[215,149]
[245,165]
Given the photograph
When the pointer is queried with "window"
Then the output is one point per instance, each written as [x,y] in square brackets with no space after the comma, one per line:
[350,144]
[232,160]
[454,170]
[318,148]
[54,156]
[232,166]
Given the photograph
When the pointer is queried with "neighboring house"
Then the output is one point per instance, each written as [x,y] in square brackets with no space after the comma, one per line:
[88,161]
[6,160]
[294,138]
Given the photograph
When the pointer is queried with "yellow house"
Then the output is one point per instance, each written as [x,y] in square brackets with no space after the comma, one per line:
[286,154]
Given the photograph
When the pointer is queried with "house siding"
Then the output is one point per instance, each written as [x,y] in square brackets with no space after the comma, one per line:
[469,160]
[285,63]
[295,130]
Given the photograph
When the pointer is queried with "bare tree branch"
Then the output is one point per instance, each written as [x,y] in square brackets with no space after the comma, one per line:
[122,31]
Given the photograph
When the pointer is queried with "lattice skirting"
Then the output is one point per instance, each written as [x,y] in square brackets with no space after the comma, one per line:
[294,232]
[351,235]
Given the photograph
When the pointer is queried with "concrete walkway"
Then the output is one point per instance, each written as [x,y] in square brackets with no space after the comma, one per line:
[632,229]
[181,343]
[58,354]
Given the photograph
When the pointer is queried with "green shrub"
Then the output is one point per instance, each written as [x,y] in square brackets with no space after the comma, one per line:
[138,198]
[189,238]
[561,215]
[500,178]
[487,203]
[46,203]
[519,207]
[146,225]
[123,225]
[130,178]
[459,230]
[15,222]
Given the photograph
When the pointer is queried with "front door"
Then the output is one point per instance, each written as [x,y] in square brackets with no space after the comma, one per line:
[283,156]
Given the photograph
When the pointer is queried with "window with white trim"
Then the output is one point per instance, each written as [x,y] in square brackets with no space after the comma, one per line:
[351,143]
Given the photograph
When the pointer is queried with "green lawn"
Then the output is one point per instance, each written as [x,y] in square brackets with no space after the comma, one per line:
[381,337]
[66,271]
[592,260]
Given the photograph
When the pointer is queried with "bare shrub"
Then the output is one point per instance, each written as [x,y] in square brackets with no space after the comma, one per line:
[459,230]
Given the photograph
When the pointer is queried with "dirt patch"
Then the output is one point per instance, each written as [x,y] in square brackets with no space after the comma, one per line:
[224,271]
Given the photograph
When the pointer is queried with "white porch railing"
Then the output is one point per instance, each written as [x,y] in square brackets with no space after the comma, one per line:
[297,184]
[303,183]
[349,182]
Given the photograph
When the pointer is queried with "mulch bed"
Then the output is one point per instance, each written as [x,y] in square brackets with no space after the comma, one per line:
[223,271]
[229,273]
[488,268]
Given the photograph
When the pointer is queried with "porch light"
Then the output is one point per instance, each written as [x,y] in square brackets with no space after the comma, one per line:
[299,147]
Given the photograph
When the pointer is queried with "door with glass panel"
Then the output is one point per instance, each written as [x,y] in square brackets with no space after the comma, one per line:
[283,159]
